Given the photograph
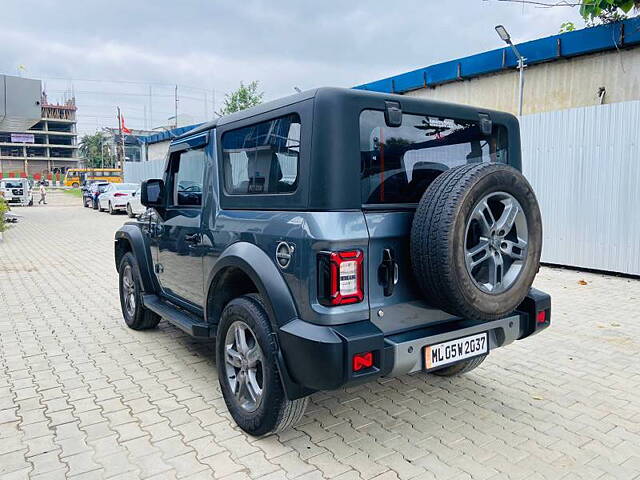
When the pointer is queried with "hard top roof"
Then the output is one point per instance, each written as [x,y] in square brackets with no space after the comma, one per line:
[328,94]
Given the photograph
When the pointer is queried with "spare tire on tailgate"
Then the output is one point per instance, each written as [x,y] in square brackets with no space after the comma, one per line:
[476,240]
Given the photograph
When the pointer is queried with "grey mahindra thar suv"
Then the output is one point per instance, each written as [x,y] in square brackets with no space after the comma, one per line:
[334,237]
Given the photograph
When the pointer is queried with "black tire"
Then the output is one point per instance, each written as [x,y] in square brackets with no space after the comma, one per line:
[94,204]
[31,202]
[460,367]
[75,184]
[130,212]
[138,318]
[275,412]
[439,235]
[111,210]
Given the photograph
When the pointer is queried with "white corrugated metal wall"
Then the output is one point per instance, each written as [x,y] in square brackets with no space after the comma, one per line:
[584,165]
[135,172]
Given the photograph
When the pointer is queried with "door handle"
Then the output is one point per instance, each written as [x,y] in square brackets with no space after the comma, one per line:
[193,238]
[388,272]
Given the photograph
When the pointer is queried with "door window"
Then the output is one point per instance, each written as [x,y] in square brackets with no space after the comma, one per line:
[262,158]
[187,169]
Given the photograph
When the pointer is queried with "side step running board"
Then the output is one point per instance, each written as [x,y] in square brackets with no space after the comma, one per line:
[185,321]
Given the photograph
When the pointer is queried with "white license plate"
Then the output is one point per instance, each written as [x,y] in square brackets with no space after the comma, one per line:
[455,350]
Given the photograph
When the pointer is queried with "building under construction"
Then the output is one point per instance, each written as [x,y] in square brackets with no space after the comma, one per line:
[32,144]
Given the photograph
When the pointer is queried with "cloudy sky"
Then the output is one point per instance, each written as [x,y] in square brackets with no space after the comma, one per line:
[132,53]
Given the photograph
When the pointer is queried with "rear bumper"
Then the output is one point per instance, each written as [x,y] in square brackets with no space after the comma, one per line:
[319,357]
[18,200]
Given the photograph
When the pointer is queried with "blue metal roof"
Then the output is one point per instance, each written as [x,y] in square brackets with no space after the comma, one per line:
[167,134]
[564,45]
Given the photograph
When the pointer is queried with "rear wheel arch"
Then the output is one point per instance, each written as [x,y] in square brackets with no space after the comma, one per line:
[228,283]
[242,262]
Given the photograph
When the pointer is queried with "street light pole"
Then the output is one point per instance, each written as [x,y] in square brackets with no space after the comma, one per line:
[504,35]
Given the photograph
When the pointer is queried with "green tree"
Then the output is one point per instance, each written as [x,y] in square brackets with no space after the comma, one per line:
[91,150]
[594,12]
[606,11]
[567,27]
[244,97]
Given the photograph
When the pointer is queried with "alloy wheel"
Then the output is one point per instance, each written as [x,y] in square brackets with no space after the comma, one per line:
[496,240]
[244,365]
[129,291]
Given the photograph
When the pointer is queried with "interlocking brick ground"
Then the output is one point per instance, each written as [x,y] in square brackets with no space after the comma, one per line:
[82,396]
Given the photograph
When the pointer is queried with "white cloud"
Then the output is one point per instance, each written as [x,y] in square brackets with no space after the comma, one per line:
[215,45]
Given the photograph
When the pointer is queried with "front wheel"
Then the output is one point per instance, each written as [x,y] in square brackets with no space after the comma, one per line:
[247,370]
[130,211]
[136,316]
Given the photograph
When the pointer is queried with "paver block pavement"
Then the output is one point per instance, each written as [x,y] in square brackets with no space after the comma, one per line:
[82,396]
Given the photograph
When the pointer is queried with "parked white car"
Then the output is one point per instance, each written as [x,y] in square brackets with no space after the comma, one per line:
[115,197]
[134,207]
[17,191]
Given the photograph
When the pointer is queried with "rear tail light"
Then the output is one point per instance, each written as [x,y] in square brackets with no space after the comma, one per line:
[362,361]
[119,194]
[340,277]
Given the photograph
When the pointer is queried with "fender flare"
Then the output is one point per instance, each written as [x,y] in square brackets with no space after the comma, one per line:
[134,237]
[257,265]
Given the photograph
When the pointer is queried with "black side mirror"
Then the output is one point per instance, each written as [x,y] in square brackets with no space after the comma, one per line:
[152,193]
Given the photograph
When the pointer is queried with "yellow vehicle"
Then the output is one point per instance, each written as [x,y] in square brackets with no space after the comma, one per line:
[76,176]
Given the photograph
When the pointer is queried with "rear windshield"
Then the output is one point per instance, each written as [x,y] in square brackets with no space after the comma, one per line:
[399,163]
[12,184]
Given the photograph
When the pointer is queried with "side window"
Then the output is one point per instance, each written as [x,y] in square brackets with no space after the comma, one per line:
[262,158]
[187,171]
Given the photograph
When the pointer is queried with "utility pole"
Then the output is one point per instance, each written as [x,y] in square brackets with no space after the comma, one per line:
[175,97]
[506,38]
[120,145]
[150,108]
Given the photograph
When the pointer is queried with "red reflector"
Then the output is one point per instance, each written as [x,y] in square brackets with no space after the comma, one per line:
[362,361]
[119,194]
[541,317]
